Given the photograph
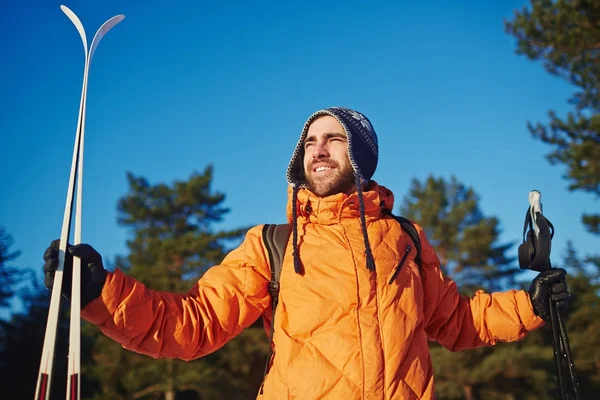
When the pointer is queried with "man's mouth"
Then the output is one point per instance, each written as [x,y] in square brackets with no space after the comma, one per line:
[322,168]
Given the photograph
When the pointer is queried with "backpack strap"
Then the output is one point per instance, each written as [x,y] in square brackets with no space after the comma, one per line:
[275,238]
[408,227]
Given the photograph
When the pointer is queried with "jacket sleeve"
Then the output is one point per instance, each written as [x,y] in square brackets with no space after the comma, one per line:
[458,322]
[228,298]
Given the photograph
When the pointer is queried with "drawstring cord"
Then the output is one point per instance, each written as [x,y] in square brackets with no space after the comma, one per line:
[369,254]
[297,263]
[363,222]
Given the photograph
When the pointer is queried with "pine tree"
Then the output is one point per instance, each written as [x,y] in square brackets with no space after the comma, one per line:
[583,320]
[10,276]
[564,35]
[464,238]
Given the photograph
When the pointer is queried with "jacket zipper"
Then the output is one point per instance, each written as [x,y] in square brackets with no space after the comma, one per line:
[399,267]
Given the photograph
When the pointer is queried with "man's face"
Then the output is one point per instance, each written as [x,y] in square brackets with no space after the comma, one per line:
[326,163]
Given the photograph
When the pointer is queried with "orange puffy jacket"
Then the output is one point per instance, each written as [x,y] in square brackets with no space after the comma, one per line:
[341,332]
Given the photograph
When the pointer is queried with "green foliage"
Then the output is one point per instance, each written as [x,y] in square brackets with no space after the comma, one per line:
[465,240]
[583,323]
[173,241]
[10,277]
[509,370]
[21,347]
[565,36]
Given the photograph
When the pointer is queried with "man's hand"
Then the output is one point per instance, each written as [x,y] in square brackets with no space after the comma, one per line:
[93,273]
[551,282]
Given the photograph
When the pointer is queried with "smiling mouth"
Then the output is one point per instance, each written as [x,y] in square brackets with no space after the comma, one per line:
[322,169]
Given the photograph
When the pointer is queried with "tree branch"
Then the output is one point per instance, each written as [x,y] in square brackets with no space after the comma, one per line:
[149,389]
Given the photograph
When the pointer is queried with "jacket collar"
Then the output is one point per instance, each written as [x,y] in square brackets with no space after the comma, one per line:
[333,209]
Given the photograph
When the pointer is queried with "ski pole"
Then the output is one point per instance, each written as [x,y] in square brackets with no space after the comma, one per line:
[534,254]
[567,353]
[557,343]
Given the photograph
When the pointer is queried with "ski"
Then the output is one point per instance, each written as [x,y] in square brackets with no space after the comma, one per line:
[42,391]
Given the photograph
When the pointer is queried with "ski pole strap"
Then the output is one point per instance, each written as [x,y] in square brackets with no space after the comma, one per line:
[538,231]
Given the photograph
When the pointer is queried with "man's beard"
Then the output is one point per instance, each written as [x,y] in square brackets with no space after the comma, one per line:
[341,182]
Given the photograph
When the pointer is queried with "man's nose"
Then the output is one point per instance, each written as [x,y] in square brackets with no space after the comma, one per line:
[321,150]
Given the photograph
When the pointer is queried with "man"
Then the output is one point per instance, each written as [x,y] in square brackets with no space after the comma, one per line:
[355,311]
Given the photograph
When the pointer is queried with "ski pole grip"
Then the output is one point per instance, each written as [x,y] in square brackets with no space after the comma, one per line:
[535,206]
[535,200]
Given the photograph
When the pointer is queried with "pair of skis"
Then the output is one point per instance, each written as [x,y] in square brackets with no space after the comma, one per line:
[42,391]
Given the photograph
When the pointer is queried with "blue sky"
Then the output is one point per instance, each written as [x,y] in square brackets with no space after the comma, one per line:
[177,86]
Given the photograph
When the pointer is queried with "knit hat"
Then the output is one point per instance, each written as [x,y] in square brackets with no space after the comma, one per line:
[363,149]
[363,152]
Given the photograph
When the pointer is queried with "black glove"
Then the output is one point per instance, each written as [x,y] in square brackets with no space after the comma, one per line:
[550,282]
[93,273]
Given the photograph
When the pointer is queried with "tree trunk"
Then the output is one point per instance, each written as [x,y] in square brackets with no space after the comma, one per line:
[170,393]
[468,390]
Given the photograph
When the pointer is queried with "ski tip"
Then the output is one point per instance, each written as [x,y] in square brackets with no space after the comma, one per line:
[67,10]
[113,21]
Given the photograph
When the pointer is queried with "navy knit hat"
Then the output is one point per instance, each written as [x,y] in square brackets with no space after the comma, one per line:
[363,149]
[363,152]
